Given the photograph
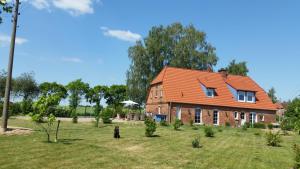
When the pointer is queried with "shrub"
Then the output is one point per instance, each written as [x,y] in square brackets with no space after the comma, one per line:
[220,129]
[191,122]
[244,127]
[297,156]
[273,139]
[163,123]
[106,115]
[247,124]
[286,125]
[209,132]
[177,124]
[150,127]
[74,116]
[257,133]
[270,126]
[227,124]
[259,125]
[195,127]
[196,143]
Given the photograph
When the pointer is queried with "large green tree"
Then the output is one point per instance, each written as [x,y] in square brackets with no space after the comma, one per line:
[173,45]
[95,95]
[77,89]
[292,113]
[272,95]
[50,88]
[26,88]
[237,68]
[115,95]
[3,76]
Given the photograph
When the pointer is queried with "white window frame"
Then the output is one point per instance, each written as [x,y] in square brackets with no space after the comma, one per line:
[161,93]
[198,108]
[236,115]
[159,109]
[210,90]
[239,96]
[253,97]
[218,117]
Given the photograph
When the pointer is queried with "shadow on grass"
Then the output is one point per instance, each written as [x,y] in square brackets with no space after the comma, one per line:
[155,135]
[68,141]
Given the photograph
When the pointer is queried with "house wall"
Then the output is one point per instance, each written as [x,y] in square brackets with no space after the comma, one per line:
[226,114]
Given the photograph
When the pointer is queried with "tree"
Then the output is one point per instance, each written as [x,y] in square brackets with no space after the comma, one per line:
[272,96]
[237,68]
[95,95]
[115,95]
[25,87]
[77,89]
[41,107]
[50,88]
[4,8]
[293,114]
[173,45]
[3,76]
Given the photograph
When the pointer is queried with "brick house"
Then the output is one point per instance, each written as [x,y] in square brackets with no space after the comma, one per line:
[208,98]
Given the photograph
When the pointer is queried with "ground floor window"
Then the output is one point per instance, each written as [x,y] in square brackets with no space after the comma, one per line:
[216,117]
[236,115]
[252,117]
[198,115]
[178,112]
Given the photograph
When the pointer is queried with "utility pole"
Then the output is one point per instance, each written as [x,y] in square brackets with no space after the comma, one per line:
[10,67]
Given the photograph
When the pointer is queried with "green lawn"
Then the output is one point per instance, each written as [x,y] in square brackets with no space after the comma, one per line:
[84,146]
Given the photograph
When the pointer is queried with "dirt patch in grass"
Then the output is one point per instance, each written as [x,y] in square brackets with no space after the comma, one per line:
[16,131]
[135,148]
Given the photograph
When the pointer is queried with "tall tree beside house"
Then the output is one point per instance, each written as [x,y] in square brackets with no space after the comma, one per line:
[272,95]
[26,87]
[237,68]
[95,95]
[292,114]
[173,45]
[77,89]
[115,95]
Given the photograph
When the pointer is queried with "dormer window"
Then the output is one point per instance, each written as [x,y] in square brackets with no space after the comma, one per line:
[250,97]
[244,96]
[241,96]
[210,92]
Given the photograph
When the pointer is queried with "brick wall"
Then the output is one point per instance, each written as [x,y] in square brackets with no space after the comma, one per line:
[226,114]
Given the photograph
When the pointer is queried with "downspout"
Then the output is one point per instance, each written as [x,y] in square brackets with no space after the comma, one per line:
[170,107]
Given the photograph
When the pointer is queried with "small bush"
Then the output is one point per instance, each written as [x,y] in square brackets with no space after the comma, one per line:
[227,124]
[220,129]
[259,125]
[273,139]
[270,126]
[106,115]
[209,132]
[177,124]
[191,122]
[297,156]
[286,125]
[195,127]
[150,127]
[196,143]
[74,116]
[247,124]
[163,123]
[244,127]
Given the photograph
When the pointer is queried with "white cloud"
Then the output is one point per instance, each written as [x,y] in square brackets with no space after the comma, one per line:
[40,4]
[124,35]
[5,40]
[71,59]
[76,7]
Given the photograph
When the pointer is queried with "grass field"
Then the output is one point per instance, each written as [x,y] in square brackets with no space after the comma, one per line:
[84,146]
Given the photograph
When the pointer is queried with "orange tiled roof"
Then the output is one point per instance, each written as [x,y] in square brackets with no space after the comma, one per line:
[184,86]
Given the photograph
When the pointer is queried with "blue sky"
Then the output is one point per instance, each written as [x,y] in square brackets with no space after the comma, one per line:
[62,40]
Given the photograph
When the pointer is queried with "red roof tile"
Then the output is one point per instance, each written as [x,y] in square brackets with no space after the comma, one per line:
[184,86]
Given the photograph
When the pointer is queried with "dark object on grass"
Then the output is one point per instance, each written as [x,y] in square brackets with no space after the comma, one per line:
[117,132]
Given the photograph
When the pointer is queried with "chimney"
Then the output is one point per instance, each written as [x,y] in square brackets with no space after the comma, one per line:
[223,72]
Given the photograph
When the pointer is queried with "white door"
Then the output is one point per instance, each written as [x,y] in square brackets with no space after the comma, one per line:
[243,118]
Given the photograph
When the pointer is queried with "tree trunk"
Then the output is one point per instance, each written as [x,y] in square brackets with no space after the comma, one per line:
[56,134]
